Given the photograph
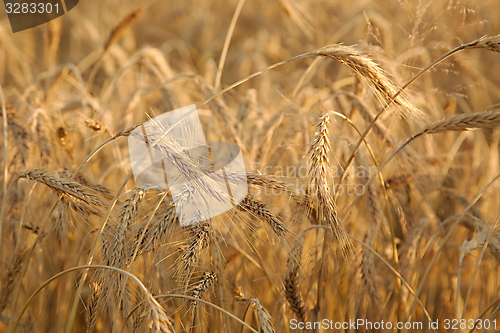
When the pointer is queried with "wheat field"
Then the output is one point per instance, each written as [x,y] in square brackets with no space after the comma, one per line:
[370,136]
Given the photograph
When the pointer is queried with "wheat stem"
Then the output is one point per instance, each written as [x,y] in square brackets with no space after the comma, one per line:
[229,35]
[191,298]
[5,157]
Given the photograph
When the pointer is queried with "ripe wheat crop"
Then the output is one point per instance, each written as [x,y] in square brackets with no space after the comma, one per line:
[370,135]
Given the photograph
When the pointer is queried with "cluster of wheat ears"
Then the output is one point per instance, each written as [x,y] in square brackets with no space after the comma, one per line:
[84,249]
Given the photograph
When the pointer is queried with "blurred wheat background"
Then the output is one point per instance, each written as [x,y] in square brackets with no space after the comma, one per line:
[322,234]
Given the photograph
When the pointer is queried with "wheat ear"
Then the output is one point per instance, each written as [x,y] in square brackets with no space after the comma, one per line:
[476,120]
[69,189]
[488,43]
[292,292]
[319,167]
[265,323]
[207,281]
[257,208]
[12,274]
[200,238]
[368,69]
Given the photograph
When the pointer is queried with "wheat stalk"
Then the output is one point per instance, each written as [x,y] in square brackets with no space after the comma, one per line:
[158,319]
[265,323]
[21,136]
[368,270]
[237,291]
[93,305]
[261,180]
[199,290]
[60,221]
[368,69]
[120,28]
[11,276]
[208,279]
[163,223]
[464,122]
[321,198]
[69,189]
[489,43]
[476,120]
[257,208]
[115,252]
[292,292]
[187,261]
[81,178]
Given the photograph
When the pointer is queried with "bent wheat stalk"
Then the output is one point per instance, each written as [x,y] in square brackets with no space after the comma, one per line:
[488,43]
[368,69]
[70,189]
[476,120]
[159,321]
[191,298]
